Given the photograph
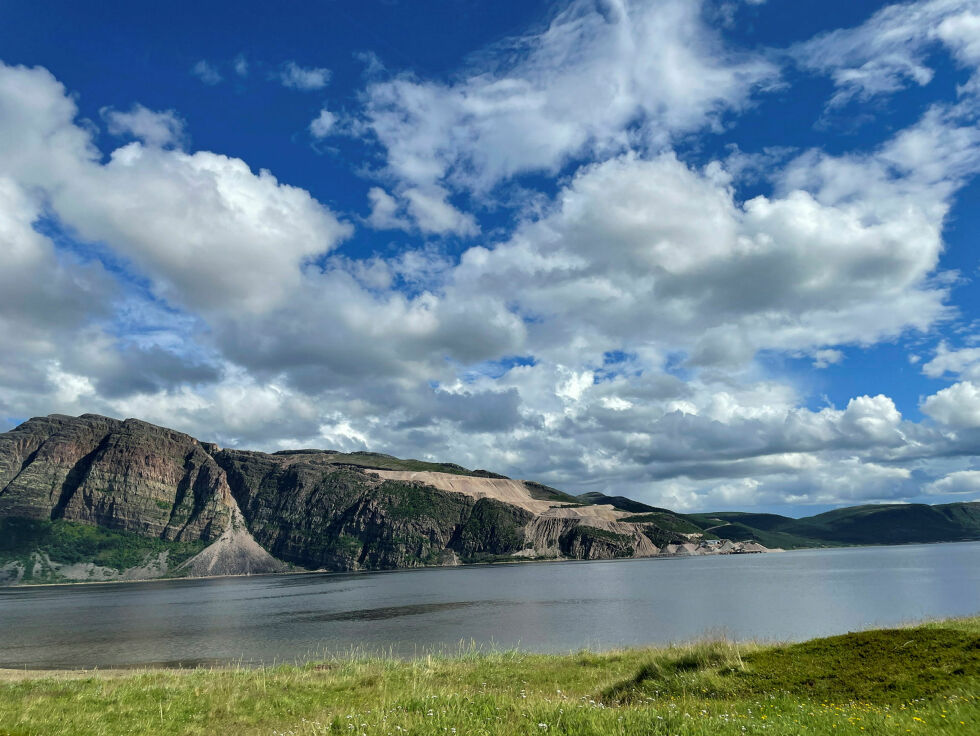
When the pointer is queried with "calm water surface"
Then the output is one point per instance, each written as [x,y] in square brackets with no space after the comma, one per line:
[548,607]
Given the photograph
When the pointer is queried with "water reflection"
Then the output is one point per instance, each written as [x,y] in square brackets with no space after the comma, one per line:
[376,614]
[541,607]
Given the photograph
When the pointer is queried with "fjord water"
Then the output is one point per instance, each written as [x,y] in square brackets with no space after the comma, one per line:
[546,607]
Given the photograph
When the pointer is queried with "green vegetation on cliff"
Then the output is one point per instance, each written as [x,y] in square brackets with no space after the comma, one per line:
[541,492]
[380,461]
[739,532]
[34,543]
[493,529]
[126,475]
[662,537]
[340,518]
[669,522]
[621,502]
[922,680]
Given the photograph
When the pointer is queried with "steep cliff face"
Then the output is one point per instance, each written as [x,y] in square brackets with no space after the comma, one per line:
[126,475]
[589,543]
[492,529]
[310,510]
[210,511]
[595,539]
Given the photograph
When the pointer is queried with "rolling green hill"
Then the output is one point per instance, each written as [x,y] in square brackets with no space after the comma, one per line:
[622,503]
[871,524]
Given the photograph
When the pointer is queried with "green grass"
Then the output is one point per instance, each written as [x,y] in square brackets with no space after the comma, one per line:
[622,503]
[884,666]
[893,524]
[738,532]
[920,680]
[541,492]
[668,522]
[662,537]
[380,461]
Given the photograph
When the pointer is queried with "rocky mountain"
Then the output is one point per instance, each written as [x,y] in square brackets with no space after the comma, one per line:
[129,475]
[130,478]
[94,498]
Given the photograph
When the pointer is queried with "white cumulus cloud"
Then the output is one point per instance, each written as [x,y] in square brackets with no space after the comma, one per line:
[957,406]
[959,482]
[609,339]
[305,79]
[577,87]
[322,124]
[161,129]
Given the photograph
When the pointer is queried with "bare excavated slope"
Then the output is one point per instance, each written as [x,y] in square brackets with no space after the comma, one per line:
[558,529]
[505,490]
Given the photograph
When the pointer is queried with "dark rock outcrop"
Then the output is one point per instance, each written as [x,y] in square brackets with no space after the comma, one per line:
[305,509]
[128,476]
[589,543]
[492,529]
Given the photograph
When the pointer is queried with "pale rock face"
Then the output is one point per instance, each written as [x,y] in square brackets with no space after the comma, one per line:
[235,552]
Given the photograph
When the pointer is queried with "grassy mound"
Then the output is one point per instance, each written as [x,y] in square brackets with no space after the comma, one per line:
[669,522]
[886,666]
[871,683]
[879,666]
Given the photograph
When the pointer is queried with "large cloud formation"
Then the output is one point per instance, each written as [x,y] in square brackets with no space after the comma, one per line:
[611,339]
[599,78]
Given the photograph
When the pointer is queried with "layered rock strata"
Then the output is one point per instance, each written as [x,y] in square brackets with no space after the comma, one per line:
[129,476]
[310,508]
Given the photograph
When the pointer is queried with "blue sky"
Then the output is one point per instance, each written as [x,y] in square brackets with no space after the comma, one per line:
[710,255]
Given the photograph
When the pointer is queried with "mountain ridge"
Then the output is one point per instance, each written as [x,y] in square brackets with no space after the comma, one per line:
[83,497]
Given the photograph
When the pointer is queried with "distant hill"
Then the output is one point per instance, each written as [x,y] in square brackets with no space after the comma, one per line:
[870,524]
[620,502]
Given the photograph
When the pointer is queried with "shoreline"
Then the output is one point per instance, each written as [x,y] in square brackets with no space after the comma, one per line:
[27,586]
[448,654]
[850,683]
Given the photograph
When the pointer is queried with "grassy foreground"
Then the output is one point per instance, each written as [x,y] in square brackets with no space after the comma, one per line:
[924,679]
